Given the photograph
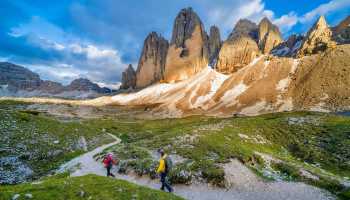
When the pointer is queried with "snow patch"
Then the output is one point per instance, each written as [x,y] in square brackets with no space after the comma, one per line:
[231,95]
[215,84]
[255,109]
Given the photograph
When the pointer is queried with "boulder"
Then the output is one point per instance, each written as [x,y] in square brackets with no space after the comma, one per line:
[152,61]
[318,39]
[188,50]
[239,49]
[269,36]
[214,44]
[128,78]
[341,33]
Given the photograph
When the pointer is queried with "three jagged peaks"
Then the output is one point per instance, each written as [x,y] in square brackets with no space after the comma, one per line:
[191,48]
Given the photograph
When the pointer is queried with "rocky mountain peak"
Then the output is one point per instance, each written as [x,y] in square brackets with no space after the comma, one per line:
[184,26]
[244,27]
[17,77]
[152,60]
[318,38]
[188,50]
[214,44]
[269,36]
[82,84]
[128,78]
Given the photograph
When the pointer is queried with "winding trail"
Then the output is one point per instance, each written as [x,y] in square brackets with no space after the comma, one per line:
[86,164]
[245,185]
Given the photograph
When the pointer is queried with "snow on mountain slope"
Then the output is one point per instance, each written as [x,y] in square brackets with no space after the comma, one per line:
[267,84]
[261,86]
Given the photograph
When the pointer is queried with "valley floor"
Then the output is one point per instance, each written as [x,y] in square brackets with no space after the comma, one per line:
[297,155]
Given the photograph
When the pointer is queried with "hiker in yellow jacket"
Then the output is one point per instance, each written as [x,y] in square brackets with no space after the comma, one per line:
[163,170]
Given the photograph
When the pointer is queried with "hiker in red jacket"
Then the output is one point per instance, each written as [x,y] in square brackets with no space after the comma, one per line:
[108,161]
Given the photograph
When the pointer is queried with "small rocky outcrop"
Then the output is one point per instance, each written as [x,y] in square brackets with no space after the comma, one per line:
[85,85]
[269,36]
[288,48]
[214,44]
[239,49]
[128,78]
[152,61]
[318,39]
[341,33]
[188,50]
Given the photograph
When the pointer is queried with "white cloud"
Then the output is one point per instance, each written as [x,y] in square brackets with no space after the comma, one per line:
[68,57]
[286,22]
[227,16]
[324,9]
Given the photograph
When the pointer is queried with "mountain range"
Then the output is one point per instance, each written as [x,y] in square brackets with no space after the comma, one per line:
[16,80]
[253,71]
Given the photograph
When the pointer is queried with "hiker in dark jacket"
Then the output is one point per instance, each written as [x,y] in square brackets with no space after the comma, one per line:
[108,161]
[163,170]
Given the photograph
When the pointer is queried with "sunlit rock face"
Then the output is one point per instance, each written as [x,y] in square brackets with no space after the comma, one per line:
[188,50]
[318,39]
[269,36]
[151,65]
[239,49]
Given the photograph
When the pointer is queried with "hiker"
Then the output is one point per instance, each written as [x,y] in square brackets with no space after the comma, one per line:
[164,168]
[108,161]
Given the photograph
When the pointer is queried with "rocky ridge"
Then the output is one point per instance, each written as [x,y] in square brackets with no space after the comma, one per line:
[16,80]
[341,33]
[288,48]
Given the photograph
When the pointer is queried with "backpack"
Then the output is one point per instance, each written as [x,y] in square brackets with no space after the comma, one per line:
[168,164]
[107,161]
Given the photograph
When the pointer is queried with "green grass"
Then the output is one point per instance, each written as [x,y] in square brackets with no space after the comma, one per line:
[86,187]
[320,143]
[43,142]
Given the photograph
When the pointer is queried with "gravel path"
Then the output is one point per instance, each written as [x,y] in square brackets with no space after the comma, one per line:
[245,185]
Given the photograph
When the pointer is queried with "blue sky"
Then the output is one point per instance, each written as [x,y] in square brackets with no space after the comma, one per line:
[66,39]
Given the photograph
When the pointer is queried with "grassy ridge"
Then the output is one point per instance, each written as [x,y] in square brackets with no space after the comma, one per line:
[86,187]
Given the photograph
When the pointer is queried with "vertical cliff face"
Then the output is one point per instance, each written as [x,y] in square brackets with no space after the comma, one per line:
[239,49]
[214,44]
[188,50]
[318,39]
[152,61]
[269,36]
[128,78]
[341,33]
